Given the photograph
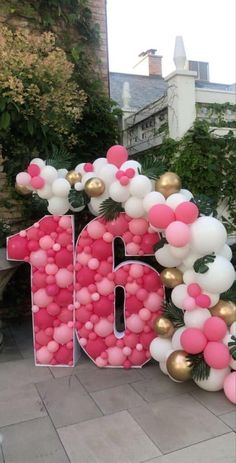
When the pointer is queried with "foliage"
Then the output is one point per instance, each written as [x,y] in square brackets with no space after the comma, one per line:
[201,265]
[200,369]
[152,167]
[40,102]
[110,209]
[5,230]
[230,295]
[174,314]
[78,198]
[232,346]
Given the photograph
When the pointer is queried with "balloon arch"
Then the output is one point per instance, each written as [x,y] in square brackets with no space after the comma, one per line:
[190,331]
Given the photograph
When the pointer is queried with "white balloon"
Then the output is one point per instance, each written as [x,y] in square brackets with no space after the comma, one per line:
[189,260]
[226,252]
[208,235]
[196,318]
[188,195]
[227,338]
[45,192]
[131,164]
[61,187]
[180,253]
[153,198]
[189,277]
[159,348]
[80,168]
[134,208]
[175,199]
[165,258]
[62,173]
[99,163]
[163,368]
[38,161]
[232,364]
[58,206]
[118,192]
[176,344]
[78,186]
[95,203]
[140,186]
[179,293]
[49,174]
[219,278]
[215,381]
[108,174]
[232,329]
[86,177]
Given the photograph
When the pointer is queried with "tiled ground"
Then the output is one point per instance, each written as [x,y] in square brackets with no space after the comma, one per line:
[89,415]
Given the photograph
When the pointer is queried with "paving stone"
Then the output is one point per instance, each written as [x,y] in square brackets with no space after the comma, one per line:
[34,441]
[20,404]
[117,398]
[216,402]
[230,420]
[115,438]
[96,379]
[161,387]
[22,372]
[218,450]
[177,422]
[67,401]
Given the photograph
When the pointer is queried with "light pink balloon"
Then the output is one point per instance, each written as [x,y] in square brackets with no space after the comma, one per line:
[46,242]
[116,356]
[83,296]
[189,303]
[96,229]
[23,178]
[43,356]
[178,234]
[41,298]
[63,334]
[103,328]
[65,222]
[135,324]
[138,226]
[53,346]
[153,302]
[230,387]
[38,258]
[64,278]
[136,270]
[105,287]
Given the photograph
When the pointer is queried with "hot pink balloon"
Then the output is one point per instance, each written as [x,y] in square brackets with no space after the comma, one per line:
[117,155]
[193,340]
[187,212]
[203,301]
[37,182]
[161,215]
[230,387]
[215,329]
[17,248]
[216,355]
[194,290]
[33,170]
[178,234]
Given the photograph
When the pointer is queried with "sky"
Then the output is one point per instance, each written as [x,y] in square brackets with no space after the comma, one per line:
[208,28]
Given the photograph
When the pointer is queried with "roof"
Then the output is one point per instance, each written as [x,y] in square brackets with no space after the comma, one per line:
[215,86]
[143,89]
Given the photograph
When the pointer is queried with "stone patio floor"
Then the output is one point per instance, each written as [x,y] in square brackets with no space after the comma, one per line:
[92,415]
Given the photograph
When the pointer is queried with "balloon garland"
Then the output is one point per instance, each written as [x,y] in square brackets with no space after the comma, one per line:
[196,335]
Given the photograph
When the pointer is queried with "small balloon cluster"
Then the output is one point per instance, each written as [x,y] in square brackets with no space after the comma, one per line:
[194,254]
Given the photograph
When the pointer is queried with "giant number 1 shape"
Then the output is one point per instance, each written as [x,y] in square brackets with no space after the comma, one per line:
[48,246]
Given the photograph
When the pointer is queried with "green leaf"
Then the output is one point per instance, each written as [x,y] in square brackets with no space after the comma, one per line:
[232,347]
[200,369]
[152,167]
[174,314]
[2,104]
[5,120]
[30,126]
[110,209]
[204,204]
[200,265]
[60,158]
[78,198]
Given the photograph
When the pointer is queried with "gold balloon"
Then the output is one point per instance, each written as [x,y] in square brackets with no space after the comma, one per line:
[22,189]
[171,277]
[164,327]
[225,310]
[94,187]
[73,177]
[168,183]
[178,366]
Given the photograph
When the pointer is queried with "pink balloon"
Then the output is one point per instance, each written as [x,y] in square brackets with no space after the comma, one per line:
[135,324]
[105,287]
[117,155]
[41,298]
[178,234]
[33,245]
[17,248]
[118,226]
[194,290]
[95,347]
[138,357]
[96,229]
[86,277]
[151,282]
[203,301]
[43,356]
[53,309]
[64,356]
[189,303]
[115,356]
[33,170]
[138,226]
[48,225]
[101,250]
[46,242]
[42,338]
[193,340]
[38,258]
[153,302]
[23,179]
[39,279]
[187,212]
[215,329]
[52,290]
[64,278]
[83,296]
[161,215]
[103,328]
[136,270]
[63,334]
[230,387]
[53,346]
[216,355]
[65,222]
[63,258]
[103,307]
[64,297]
[37,182]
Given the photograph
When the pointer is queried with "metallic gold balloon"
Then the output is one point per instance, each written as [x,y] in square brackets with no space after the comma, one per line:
[164,327]
[225,310]
[22,189]
[168,183]
[178,367]
[73,177]
[94,187]
[171,277]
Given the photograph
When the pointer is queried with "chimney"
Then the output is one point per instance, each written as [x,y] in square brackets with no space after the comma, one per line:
[149,64]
